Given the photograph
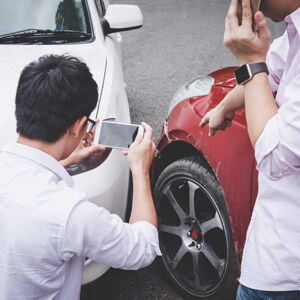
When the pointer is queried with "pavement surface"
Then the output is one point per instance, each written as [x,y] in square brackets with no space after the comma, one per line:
[179,40]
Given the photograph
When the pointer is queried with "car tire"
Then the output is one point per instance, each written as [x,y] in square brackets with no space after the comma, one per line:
[195,232]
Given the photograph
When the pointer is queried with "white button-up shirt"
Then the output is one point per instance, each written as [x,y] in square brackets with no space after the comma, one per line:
[271,259]
[47,228]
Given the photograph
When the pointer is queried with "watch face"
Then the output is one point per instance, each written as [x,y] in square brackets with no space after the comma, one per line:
[242,74]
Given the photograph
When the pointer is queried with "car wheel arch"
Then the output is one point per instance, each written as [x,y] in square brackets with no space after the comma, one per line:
[174,151]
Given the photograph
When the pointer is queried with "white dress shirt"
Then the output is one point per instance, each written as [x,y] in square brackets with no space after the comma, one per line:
[47,228]
[271,258]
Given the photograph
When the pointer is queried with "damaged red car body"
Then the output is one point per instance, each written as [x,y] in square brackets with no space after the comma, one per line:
[200,267]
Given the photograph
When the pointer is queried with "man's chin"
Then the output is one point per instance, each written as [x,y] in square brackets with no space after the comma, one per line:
[277,20]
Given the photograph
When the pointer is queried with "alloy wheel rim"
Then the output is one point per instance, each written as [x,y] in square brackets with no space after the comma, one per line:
[201,237]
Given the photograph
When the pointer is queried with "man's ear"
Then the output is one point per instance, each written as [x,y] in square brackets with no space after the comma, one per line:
[78,127]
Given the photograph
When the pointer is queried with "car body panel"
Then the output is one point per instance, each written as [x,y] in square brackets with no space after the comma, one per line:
[229,152]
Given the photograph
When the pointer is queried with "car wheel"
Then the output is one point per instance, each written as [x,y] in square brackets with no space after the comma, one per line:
[194,231]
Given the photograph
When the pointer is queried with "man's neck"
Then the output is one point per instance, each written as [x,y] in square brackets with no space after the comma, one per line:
[52,149]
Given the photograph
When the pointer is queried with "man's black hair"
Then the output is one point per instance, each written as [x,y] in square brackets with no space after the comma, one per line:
[52,94]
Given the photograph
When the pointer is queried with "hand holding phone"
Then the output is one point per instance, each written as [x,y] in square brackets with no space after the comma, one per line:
[142,152]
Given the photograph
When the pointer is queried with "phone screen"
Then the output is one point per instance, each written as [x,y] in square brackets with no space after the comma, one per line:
[117,135]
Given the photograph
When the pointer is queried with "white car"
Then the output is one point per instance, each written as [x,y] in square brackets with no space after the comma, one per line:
[88,29]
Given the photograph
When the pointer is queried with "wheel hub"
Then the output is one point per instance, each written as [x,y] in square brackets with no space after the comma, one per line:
[193,237]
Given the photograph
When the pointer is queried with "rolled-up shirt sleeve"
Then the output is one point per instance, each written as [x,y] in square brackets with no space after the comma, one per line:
[276,59]
[94,232]
[277,150]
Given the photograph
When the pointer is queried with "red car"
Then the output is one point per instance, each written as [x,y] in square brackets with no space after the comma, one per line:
[205,189]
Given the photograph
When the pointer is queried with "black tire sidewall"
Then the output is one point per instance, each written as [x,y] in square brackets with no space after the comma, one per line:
[199,171]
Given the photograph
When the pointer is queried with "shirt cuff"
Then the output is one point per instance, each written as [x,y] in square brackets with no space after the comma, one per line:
[150,231]
[267,141]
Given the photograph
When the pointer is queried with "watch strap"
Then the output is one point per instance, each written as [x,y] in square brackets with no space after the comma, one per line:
[246,72]
[259,68]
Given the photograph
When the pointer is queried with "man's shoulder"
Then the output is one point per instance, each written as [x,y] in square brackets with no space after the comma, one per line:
[39,191]
[59,201]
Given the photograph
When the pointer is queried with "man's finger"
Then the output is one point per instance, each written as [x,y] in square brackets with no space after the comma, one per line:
[232,19]
[125,152]
[100,147]
[247,15]
[233,7]
[94,128]
[227,31]
[204,121]
[138,139]
[88,139]
[148,135]
[211,131]
[96,148]
[262,26]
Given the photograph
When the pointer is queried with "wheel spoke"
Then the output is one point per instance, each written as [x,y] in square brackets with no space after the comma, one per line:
[179,211]
[179,255]
[192,189]
[212,257]
[196,271]
[211,224]
[175,230]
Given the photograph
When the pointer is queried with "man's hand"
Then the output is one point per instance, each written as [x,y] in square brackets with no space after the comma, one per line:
[142,151]
[217,119]
[248,46]
[140,157]
[85,148]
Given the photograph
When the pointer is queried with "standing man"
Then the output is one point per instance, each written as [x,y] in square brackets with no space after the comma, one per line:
[47,228]
[271,259]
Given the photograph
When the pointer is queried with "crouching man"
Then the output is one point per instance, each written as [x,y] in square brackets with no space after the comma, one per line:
[47,228]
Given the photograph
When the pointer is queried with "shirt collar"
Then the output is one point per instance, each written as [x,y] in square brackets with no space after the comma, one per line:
[40,158]
[293,21]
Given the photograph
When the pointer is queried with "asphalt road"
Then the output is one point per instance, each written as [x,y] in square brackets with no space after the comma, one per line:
[180,39]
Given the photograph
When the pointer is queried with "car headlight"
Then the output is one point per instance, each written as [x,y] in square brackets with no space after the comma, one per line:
[199,86]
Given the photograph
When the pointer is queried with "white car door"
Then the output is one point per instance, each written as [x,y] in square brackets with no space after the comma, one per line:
[107,184]
[100,183]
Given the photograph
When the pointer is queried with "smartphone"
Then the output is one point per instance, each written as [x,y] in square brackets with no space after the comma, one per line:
[255,6]
[118,135]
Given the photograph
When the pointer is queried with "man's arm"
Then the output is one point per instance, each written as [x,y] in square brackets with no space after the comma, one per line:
[219,117]
[277,148]
[251,47]
[94,232]
[260,105]
[140,157]
[222,115]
